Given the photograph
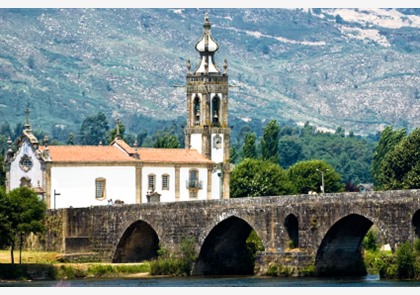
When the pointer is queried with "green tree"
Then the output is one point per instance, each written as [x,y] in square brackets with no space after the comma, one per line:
[94,130]
[26,216]
[401,166]
[166,141]
[388,140]
[249,149]
[306,176]
[252,178]
[269,142]
[290,151]
[5,222]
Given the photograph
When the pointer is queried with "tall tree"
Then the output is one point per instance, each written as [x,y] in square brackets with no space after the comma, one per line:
[269,142]
[387,142]
[307,176]
[94,130]
[249,149]
[252,178]
[401,166]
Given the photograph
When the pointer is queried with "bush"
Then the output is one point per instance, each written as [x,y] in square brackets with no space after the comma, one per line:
[405,261]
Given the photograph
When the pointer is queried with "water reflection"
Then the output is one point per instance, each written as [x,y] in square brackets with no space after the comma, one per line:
[213,281]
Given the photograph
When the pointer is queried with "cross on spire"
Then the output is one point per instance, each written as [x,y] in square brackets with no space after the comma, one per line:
[118,135]
[27,112]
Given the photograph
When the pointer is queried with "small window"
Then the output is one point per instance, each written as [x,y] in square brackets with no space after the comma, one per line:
[25,181]
[26,163]
[165,182]
[100,184]
[151,182]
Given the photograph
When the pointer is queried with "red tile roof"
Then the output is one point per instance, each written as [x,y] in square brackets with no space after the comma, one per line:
[154,155]
[112,153]
[77,153]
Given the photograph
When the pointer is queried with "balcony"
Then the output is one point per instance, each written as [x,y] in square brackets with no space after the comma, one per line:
[193,183]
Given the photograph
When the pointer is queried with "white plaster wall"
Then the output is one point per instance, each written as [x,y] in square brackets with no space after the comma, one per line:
[76,185]
[215,185]
[35,173]
[196,142]
[217,154]
[166,195]
[184,176]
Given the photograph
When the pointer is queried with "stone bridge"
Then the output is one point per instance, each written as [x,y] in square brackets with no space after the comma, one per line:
[321,230]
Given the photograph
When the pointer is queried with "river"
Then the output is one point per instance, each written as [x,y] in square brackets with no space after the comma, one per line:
[231,281]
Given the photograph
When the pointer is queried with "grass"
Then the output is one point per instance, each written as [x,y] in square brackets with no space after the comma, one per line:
[30,257]
[48,265]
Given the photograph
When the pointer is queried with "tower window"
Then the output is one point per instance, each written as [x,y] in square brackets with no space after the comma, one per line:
[197,107]
[215,109]
[100,185]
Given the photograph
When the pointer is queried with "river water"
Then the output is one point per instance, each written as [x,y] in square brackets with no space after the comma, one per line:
[242,281]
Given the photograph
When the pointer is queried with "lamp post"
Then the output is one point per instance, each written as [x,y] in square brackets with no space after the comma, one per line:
[322,179]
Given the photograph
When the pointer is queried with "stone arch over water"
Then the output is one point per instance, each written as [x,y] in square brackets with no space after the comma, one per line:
[416,224]
[291,224]
[139,242]
[340,250]
[224,251]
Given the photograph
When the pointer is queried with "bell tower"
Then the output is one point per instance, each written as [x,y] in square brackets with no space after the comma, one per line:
[207,128]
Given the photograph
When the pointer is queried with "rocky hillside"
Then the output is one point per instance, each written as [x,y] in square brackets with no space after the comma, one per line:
[358,69]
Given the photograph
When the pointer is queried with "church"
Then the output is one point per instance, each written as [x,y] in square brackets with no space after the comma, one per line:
[84,176]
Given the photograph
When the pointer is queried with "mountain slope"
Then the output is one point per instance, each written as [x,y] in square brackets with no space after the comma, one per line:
[358,69]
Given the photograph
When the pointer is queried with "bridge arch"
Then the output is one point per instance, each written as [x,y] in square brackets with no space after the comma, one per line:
[224,250]
[139,242]
[415,221]
[340,249]
[291,225]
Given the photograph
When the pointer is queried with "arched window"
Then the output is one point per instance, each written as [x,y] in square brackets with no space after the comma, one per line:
[100,188]
[216,109]
[196,110]
[292,226]
[151,182]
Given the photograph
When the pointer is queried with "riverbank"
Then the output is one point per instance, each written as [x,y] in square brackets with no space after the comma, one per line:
[50,266]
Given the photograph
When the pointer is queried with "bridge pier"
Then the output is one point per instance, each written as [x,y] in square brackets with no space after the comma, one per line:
[296,263]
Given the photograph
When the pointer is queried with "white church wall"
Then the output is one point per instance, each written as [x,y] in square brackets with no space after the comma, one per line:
[166,195]
[217,153]
[16,173]
[215,185]
[76,185]
[196,142]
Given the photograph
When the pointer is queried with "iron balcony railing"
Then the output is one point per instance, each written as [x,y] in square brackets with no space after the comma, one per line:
[193,183]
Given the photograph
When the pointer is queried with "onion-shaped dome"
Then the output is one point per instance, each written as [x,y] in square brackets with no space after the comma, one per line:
[206,43]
